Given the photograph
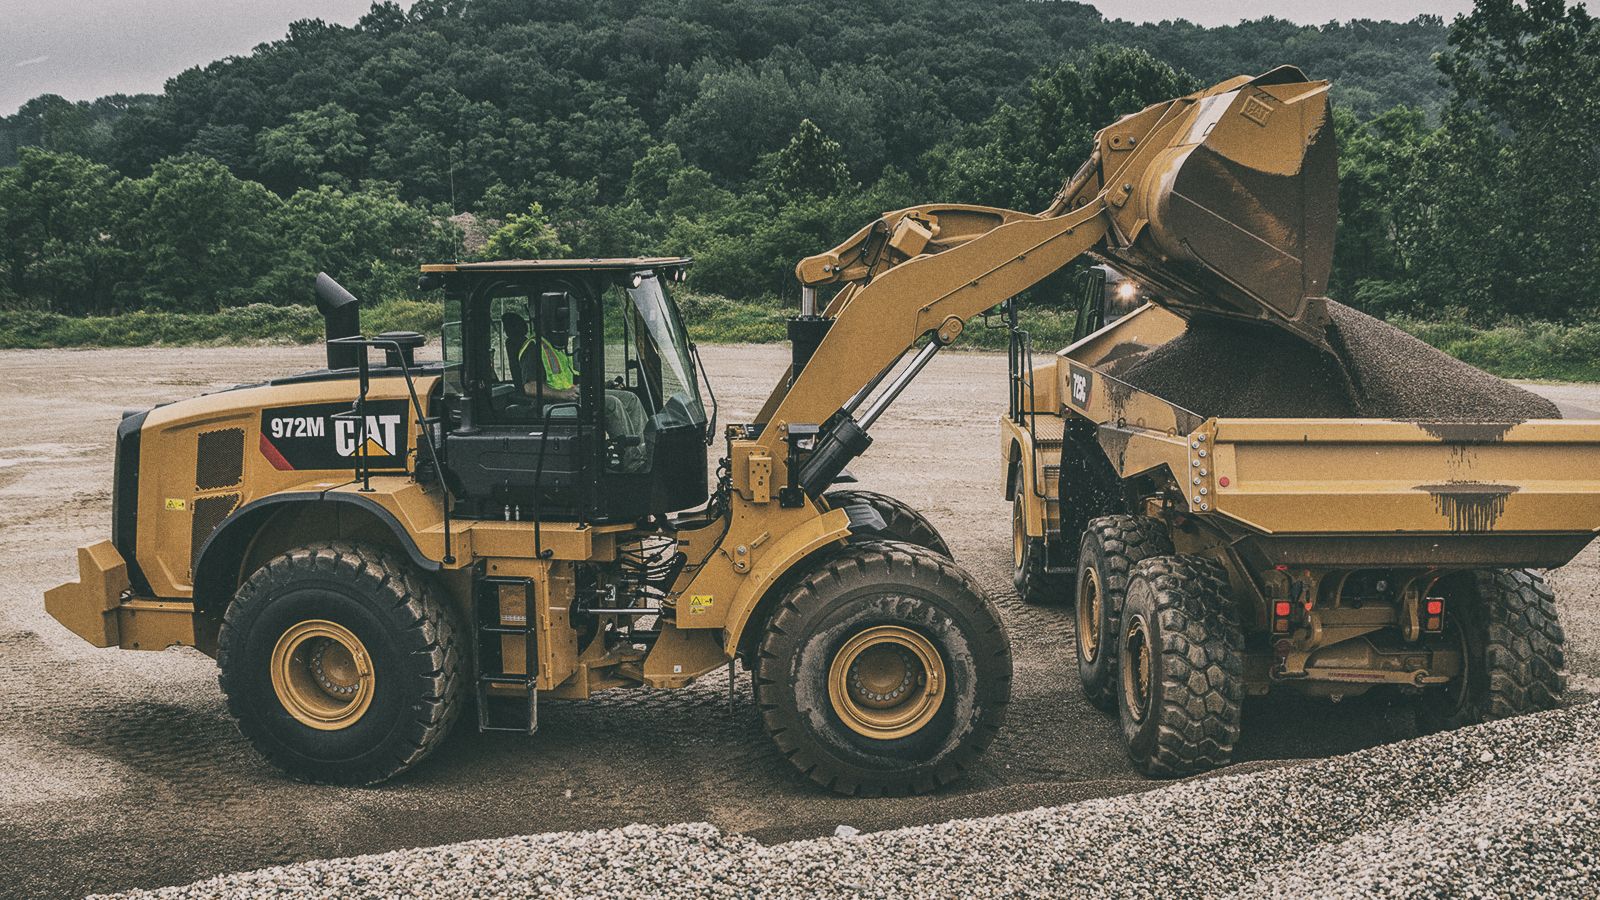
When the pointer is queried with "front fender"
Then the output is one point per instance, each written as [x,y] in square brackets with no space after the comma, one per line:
[787,552]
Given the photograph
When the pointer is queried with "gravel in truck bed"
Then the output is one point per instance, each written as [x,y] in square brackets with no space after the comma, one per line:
[1511,808]
[1240,370]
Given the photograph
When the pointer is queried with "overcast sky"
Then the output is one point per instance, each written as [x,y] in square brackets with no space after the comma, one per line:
[83,49]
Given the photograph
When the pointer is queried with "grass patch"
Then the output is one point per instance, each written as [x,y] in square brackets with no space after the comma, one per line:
[1538,351]
[256,323]
[1527,350]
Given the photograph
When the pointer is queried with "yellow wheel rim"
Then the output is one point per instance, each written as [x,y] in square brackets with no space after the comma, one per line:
[1089,609]
[1137,668]
[322,675]
[1019,534]
[886,682]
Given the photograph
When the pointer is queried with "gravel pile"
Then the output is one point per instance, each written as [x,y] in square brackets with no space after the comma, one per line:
[1506,809]
[1224,368]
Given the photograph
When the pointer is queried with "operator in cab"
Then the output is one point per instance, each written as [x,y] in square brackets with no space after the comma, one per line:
[548,369]
[550,375]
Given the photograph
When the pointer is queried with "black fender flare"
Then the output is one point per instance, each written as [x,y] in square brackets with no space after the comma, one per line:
[216,566]
[864,519]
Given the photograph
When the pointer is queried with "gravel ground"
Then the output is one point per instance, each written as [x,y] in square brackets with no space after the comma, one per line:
[122,769]
[1506,809]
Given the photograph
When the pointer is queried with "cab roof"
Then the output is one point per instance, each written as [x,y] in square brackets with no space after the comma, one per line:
[593,264]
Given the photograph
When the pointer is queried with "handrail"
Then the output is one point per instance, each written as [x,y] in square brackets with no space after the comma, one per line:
[359,409]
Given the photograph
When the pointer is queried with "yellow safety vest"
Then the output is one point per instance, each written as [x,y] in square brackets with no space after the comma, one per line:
[558,368]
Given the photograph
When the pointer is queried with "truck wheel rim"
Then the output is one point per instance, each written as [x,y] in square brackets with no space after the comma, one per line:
[1019,535]
[1088,609]
[886,682]
[322,675]
[1137,662]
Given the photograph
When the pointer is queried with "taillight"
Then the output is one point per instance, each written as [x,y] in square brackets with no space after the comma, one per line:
[1282,610]
[1433,620]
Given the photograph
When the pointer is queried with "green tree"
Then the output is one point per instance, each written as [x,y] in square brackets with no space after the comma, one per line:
[318,146]
[1378,161]
[1020,155]
[370,240]
[56,212]
[1507,209]
[811,166]
[203,238]
[526,235]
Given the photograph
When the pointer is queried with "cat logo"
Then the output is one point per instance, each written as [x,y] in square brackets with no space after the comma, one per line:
[330,436]
[383,436]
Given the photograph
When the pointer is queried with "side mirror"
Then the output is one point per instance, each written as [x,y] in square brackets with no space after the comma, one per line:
[555,311]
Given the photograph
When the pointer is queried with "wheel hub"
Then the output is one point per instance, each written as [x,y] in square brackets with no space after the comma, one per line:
[322,675]
[1088,610]
[886,682]
[1137,668]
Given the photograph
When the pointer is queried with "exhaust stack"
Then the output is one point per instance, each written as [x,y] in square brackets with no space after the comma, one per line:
[341,317]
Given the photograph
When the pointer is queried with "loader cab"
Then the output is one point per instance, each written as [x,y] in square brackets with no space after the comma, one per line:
[571,391]
[1107,296]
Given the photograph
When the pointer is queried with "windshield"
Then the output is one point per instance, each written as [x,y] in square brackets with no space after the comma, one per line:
[660,326]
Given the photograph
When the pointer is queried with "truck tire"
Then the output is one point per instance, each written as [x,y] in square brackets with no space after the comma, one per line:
[1111,547]
[1506,621]
[1034,584]
[339,664]
[884,672]
[1181,675]
[902,522]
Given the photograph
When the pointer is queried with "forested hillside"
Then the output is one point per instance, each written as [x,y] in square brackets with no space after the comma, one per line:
[752,132]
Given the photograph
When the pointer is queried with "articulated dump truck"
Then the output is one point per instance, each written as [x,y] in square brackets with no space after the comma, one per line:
[1343,509]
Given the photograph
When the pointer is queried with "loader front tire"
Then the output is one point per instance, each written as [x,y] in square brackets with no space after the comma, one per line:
[1181,668]
[901,522]
[1505,622]
[1110,548]
[885,671]
[339,664]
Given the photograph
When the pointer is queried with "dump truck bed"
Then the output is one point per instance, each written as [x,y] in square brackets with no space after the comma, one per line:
[1348,491]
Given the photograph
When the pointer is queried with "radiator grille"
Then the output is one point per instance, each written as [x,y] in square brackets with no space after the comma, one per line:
[208,514]
[219,459]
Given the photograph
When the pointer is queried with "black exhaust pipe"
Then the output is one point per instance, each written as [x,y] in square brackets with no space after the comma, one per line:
[341,317]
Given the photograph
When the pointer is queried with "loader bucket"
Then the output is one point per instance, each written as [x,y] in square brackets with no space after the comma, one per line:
[1235,215]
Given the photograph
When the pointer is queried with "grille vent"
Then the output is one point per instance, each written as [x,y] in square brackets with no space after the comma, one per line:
[208,514]
[219,459]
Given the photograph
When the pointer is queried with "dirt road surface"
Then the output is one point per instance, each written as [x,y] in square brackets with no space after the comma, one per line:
[122,769]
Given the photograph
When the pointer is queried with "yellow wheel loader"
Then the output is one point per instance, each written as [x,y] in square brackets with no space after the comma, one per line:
[373,549]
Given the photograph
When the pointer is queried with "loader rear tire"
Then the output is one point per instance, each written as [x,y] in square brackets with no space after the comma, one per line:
[1506,621]
[1111,547]
[1181,670]
[902,523]
[1035,585]
[339,664]
[885,671]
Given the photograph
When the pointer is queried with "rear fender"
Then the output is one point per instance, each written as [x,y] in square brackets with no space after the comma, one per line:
[219,566]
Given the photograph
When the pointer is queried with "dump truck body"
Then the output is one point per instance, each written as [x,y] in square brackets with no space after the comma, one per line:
[1304,510]
[1406,493]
